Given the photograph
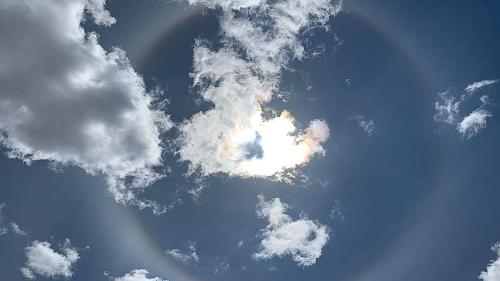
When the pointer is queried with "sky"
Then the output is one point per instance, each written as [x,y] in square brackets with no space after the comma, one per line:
[249,140]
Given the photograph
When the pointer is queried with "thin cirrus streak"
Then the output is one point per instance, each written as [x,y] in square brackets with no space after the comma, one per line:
[234,137]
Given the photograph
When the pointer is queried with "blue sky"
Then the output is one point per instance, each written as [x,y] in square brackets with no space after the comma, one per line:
[219,143]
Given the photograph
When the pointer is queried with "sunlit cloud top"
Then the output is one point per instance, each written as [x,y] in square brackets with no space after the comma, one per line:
[236,137]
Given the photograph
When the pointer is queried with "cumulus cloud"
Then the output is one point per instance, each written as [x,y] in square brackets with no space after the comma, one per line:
[65,99]
[448,110]
[43,261]
[236,136]
[474,87]
[492,272]
[188,258]
[138,275]
[303,239]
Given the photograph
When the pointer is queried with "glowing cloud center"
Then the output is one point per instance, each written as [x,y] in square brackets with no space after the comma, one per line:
[281,147]
[235,137]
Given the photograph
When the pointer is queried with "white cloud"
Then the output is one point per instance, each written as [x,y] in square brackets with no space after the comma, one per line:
[492,272]
[235,137]
[17,229]
[303,239]
[5,225]
[368,125]
[474,87]
[65,99]
[473,123]
[138,275]
[99,13]
[43,261]
[222,264]
[3,229]
[239,244]
[448,110]
[228,4]
[187,258]
[336,211]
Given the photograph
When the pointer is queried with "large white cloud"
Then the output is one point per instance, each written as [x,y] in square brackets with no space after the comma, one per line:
[236,136]
[65,99]
[43,261]
[492,272]
[303,239]
[138,275]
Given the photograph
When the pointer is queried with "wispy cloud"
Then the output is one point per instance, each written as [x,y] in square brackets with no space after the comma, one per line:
[3,228]
[474,87]
[303,239]
[367,124]
[17,229]
[190,257]
[473,123]
[6,226]
[448,110]
[67,100]
[260,37]
[138,275]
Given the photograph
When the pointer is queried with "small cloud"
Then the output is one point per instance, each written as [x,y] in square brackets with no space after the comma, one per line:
[336,211]
[99,13]
[474,87]
[473,123]
[240,244]
[492,272]
[43,261]
[190,257]
[5,226]
[17,229]
[448,110]
[368,125]
[303,239]
[137,275]
[3,229]
[222,265]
